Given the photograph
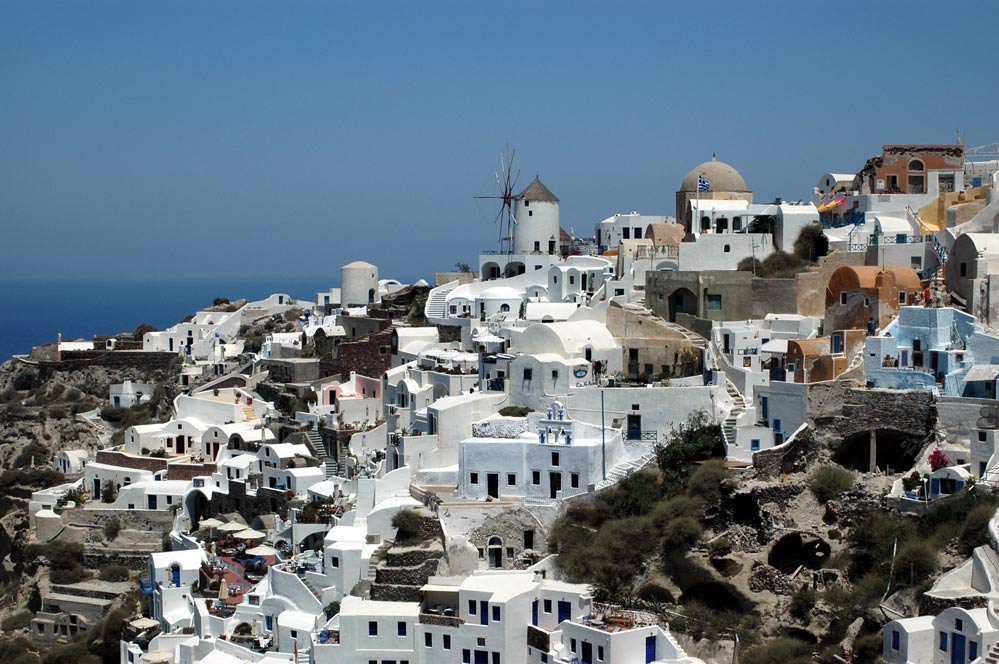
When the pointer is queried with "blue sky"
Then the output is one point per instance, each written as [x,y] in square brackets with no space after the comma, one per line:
[180,139]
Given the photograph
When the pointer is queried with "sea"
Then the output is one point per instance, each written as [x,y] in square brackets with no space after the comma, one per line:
[33,312]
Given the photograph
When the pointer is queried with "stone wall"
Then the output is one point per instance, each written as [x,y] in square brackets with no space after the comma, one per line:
[448,333]
[811,286]
[774,296]
[121,460]
[906,411]
[126,359]
[509,526]
[416,575]
[504,428]
[368,356]
[188,471]
[267,501]
[790,457]
[97,559]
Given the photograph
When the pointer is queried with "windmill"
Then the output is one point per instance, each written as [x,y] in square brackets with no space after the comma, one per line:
[506,180]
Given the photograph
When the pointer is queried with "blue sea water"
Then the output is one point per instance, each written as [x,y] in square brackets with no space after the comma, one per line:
[33,312]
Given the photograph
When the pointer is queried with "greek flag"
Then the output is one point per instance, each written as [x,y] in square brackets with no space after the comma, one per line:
[702,183]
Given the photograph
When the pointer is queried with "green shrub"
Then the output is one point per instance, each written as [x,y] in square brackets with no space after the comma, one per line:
[113,573]
[802,603]
[975,529]
[655,593]
[407,525]
[515,411]
[112,528]
[915,562]
[698,439]
[141,329]
[782,650]
[70,653]
[828,482]
[33,454]
[64,561]
[811,243]
[17,651]
[706,481]
[17,621]
[681,533]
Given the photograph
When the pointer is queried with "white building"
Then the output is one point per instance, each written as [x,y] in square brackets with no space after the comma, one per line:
[128,394]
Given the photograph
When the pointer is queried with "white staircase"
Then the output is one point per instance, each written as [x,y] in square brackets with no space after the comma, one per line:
[436,307]
[728,426]
[319,450]
[623,470]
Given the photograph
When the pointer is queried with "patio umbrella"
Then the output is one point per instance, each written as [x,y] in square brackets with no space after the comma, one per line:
[232,526]
[253,628]
[250,534]
[262,550]
[223,590]
[144,623]
[209,523]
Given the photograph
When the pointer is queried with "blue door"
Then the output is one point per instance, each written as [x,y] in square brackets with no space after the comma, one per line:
[564,612]
[481,657]
[934,487]
[957,648]
[650,649]
[483,613]
[534,613]
[587,656]
[176,575]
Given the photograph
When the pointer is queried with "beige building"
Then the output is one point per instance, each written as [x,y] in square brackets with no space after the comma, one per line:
[650,347]
[724,184]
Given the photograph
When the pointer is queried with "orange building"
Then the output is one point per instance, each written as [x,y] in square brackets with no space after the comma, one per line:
[855,294]
[904,169]
[823,358]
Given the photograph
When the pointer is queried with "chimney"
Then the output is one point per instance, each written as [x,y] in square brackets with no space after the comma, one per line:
[58,353]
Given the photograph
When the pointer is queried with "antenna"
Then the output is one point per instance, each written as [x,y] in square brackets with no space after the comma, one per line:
[506,181]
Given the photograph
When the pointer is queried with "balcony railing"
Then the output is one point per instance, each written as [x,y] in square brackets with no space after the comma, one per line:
[645,436]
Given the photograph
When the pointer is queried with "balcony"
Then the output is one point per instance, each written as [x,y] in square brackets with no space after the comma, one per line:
[440,620]
[644,436]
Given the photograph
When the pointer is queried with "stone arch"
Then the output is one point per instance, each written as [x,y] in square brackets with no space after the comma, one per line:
[490,270]
[514,268]
[682,300]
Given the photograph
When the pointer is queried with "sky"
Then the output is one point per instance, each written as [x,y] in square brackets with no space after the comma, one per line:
[177,140]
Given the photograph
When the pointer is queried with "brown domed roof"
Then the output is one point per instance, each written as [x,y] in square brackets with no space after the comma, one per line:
[719,175]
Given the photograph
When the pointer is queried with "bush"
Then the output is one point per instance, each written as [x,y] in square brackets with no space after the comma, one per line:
[112,528]
[141,329]
[515,411]
[219,301]
[114,573]
[706,481]
[681,533]
[64,561]
[802,603]
[655,593]
[17,621]
[938,459]
[17,651]
[70,653]
[828,482]
[698,439]
[915,562]
[33,454]
[811,243]
[975,529]
[782,650]
[407,525]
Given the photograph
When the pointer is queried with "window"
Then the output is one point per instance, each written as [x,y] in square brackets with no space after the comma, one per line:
[981,436]
[554,375]
[754,444]
[572,279]
[528,374]
[548,606]
[447,641]
[254,600]
[554,458]
[334,561]
[535,477]
[530,213]
[496,614]
[714,302]
[901,297]
[842,297]
[943,641]
[372,628]
[964,269]
[504,307]
[574,480]
[572,645]
[528,539]
[638,233]
[471,607]
[537,246]
[867,301]
[511,479]
[626,233]
[466,656]
[473,478]
[728,248]
[402,629]
[958,625]
[894,639]
[600,653]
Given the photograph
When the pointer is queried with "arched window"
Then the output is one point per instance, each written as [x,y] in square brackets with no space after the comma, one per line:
[917,165]
[504,307]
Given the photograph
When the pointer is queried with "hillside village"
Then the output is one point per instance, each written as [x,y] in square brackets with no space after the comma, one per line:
[741,432]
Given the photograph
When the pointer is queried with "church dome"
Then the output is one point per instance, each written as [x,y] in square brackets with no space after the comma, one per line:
[719,175]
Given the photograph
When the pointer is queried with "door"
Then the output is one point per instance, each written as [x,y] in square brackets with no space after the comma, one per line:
[175,572]
[180,444]
[957,648]
[492,484]
[97,489]
[554,484]
[534,613]
[483,613]
[587,654]
[481,657]
[650,649]
[634,427]
[564,612]
[905,359]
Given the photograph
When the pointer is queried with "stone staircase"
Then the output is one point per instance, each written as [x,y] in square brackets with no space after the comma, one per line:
[377,557]
[623,470]
[728,426]
[249,414]
[992,657]
[318,448]
[436,307]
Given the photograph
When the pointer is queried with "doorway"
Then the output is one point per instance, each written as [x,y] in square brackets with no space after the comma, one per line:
[634,427]
[554,484]
[587,654]
[492,485]
[957,648]
[495,549]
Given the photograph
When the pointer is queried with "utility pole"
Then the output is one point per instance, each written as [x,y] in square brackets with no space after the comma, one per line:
[603,435]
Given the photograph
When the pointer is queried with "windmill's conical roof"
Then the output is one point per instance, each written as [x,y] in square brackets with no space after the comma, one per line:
[537,191]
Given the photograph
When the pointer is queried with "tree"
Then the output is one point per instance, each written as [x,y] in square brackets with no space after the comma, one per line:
[407,526]
[462,267]
[938,459]
[811,243]
[828,482]
[141,329]
[219,301]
